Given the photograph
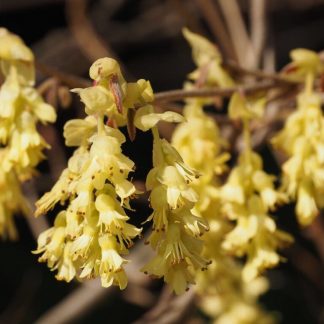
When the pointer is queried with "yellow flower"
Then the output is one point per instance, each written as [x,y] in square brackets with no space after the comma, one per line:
[198,141]
[304,61]
[175,229]
[110,267]
[223,294]
[112,96]
[94,233]
[248,196]
[26,146]
[208,60]
[179,256]
[77,131]
[240,108]
[302,140]
[15,54]
[21,107]
[12,201]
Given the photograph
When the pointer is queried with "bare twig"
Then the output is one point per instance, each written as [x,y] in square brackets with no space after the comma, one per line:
[269,58]
[258,28]
[217,27]
[89,41]
[76,304]
[89,294]
[258,73]
[189,17]
[66,78]
[211,92]
[238,32]
[169,309]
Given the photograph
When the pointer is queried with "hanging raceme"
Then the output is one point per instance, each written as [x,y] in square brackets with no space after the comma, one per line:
[248,195]
[302,140]
[200,225]
[21,108]
[91,234]
[208,60]
[223,295]
[176,230]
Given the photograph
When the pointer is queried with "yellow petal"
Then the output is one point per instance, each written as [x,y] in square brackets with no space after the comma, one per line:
[145,118]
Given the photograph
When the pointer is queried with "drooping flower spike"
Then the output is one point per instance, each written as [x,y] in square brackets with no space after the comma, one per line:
[248,196]
[92,233]
[176,230]
[302,140]
[223,294]
[21,108]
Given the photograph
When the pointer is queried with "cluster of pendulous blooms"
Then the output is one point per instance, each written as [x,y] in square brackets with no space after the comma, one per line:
[21,107]
[223,294]
[302,139]
[90,236]
[248,196]
[176,230]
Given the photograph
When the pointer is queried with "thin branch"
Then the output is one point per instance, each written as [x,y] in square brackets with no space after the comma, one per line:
[90,43]
[217,26]
[169,308]
[258,73]
[212,92]
[258,28]
[65,78]
[76,304]
[84,298]
[84,33]
[189,17]
[238,32]
[269,58]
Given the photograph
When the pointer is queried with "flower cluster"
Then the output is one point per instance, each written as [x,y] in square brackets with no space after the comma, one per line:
[248,196]
[302,140]
[21,108]
[227,298]
[201,223]
[11,201]
[176,230]
[92,233]
[224,295]
[208,60]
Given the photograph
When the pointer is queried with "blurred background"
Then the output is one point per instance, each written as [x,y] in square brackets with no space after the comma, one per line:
[145,36]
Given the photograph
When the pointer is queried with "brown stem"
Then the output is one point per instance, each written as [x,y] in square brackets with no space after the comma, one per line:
[179,94]
[217,26]
[232,66]
[169,308]
[238,32]
[258,28]
[66,78]
[84,33]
